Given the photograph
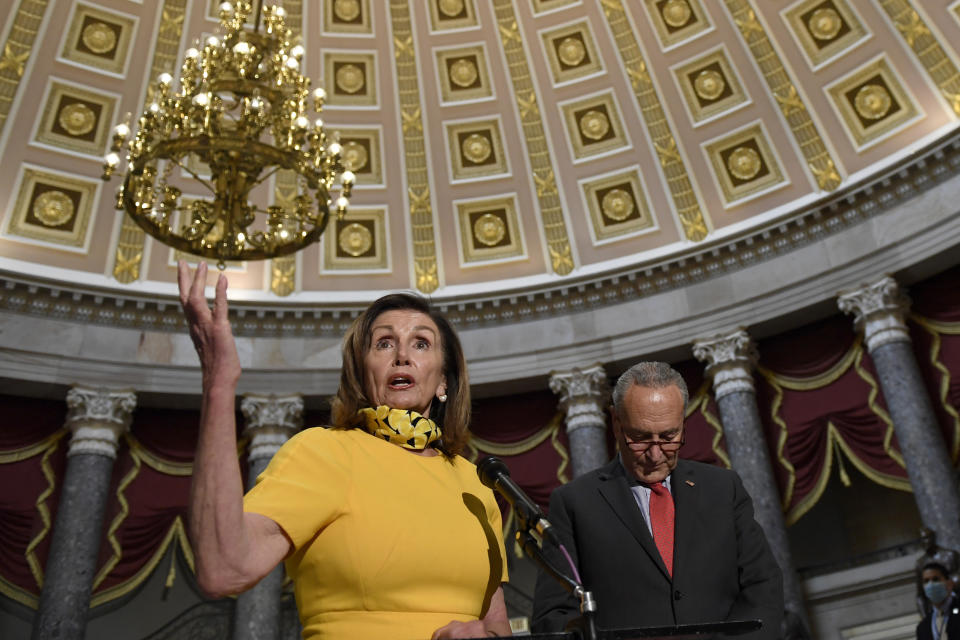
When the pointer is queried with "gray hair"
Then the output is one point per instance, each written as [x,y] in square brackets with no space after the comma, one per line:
[652,375]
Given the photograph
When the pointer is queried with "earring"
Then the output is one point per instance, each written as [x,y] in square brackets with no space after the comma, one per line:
[442,397]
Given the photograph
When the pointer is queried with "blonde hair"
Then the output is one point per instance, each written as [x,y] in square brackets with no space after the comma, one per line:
[454,415]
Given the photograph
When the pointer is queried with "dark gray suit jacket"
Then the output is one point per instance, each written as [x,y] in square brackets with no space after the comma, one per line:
[925,629]
[723,568]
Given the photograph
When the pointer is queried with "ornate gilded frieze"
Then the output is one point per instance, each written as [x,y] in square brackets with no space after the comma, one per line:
[452,14]
[463,74]
[283,275]
[476,149]
[53,208]
[363,154]
[824,28]
[16,50]
[692,219]
[131,239]
[76,118]
[929,51]
[594,125]
[744,163]
[571,52]
[489,230]
[347,16]
[918,174]
[528,108]
[543,6]
[98,38]
[709,85]
[283,270]
[426,269]
[350,79]
[356,243]
[872,103]
[677,20]
[618,206]
[781,85]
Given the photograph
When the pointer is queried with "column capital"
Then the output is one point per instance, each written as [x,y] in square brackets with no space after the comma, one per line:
[730,360]
[270,420]
[583,394]
[878,310]
[97,417]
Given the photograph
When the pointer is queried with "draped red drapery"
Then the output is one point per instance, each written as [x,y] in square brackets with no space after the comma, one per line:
[818,397]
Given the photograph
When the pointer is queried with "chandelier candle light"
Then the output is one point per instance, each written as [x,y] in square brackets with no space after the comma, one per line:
[242,113]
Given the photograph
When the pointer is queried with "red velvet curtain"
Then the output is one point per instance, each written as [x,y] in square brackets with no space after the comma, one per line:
[703,433]
[821,406]
[32,460]
[935,330]
[817,392]
[146,506]
[526,432]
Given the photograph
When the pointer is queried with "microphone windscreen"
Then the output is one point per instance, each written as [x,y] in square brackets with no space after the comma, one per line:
[489,469]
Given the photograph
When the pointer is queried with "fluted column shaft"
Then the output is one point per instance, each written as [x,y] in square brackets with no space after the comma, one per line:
[730,361]
[584,394]
[269,421]
[97,418]
[879,313]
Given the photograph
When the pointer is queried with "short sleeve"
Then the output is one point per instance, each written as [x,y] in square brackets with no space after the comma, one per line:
[304,487]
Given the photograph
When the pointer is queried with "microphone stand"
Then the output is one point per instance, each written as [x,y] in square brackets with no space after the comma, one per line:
[587,626]
[495,474]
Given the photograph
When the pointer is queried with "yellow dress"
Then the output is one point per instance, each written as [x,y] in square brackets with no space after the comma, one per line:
[387,544]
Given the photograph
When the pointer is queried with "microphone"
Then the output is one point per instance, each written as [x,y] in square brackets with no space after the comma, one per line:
[495,474]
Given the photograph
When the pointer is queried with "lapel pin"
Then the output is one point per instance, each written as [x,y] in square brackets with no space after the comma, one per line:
[691,482]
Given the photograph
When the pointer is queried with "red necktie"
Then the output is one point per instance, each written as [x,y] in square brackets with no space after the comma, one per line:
[661,522]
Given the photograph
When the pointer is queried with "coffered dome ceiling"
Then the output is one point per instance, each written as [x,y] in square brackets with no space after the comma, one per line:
[504,150]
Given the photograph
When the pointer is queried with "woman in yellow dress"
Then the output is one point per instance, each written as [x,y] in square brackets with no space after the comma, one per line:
[385,530]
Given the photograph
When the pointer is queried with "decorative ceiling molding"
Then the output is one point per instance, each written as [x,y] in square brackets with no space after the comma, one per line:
[548,196]
[129,250]
[783,88]
[923,171]
[662,81]
[425,266]
[692,218]
[16,52]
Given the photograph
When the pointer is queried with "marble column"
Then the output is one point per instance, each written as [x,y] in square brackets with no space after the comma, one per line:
[879,310]
[730,360]
[269,421]
[96,418]
[584,394]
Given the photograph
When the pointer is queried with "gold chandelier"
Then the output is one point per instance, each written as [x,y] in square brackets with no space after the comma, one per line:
[241,114]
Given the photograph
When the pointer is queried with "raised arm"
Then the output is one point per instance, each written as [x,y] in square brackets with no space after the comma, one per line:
[233,549]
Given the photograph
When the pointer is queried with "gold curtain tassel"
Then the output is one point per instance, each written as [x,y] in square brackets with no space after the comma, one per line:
[844,476]
[171,573]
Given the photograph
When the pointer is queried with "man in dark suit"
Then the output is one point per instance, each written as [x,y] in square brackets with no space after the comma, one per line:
[659,541]
[943,621]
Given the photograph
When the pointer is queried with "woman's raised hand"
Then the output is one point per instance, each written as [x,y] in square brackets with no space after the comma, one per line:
[209,328]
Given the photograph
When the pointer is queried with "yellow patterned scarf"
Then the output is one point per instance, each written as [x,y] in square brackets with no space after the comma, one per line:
[403,427]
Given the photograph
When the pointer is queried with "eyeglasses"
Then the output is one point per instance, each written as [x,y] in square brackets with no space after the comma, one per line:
[666,446]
